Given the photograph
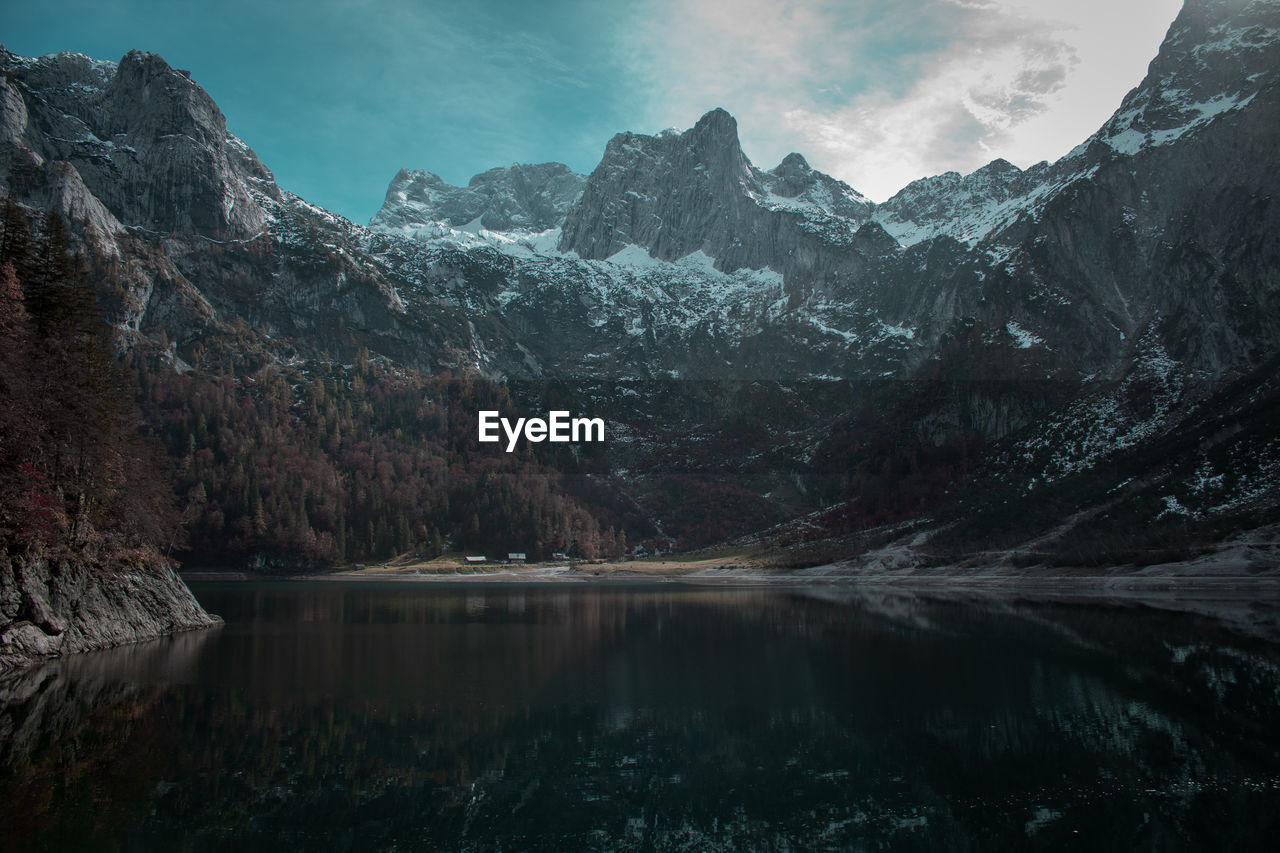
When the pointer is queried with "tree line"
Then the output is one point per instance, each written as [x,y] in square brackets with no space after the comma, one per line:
[292,464]
[323,463]
[75,473]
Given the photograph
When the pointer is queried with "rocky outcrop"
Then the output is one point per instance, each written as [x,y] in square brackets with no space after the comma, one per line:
[514,198]
[1161,221]
[965,207]
[795,182]
[1164,223]
[147,142]
[56,607]
[675,194]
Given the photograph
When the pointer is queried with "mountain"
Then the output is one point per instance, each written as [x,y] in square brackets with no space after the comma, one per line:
[678,193]
[1090,341]
[515,198]
[147,143]
[964,207]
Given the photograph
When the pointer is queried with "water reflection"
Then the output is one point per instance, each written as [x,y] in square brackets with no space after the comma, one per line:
[372,717]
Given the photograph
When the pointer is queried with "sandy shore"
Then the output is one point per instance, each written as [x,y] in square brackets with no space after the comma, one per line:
[1216,574]
[1248,565]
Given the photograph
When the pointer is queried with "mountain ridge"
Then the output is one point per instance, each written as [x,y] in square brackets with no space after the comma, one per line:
[1056,319]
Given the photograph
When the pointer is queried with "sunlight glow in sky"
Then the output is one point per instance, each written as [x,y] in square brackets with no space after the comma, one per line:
[336,95]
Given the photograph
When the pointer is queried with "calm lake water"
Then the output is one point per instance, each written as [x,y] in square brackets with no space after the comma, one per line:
[330,716]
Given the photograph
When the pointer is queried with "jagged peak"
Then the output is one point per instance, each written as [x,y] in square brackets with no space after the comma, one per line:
[148,61]
[719,120]
[60,56]
[60,69]
[418,176]
[793,162]
[136,55]
[998,166]
[551,168]
[521,196]
[713,137]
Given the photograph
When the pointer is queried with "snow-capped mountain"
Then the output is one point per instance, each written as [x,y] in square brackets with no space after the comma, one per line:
[964,207]
[1063,318]
[147,143]
[678,193]
[680,197]
[514,198]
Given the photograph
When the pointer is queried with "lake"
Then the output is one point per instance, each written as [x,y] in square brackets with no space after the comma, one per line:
[487,717]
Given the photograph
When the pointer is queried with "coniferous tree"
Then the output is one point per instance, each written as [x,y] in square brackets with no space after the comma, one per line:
[75,470]
[15,239]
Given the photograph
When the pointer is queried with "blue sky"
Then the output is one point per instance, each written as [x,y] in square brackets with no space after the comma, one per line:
[336,95]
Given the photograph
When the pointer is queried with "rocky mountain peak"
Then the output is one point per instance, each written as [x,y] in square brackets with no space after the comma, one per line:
[148,96]
[108,129]
[60,71]
[793,164]
[715,132]
[965,207]
[714,141]
[677,193]
[794,176]
[717,121]
[1217,56]
[519,197]
[999,166]
[1153,270]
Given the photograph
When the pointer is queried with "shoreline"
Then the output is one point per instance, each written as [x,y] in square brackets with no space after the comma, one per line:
[921,579]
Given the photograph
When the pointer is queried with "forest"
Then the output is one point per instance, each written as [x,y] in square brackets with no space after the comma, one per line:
[291,466]
[76,475]
[231,451]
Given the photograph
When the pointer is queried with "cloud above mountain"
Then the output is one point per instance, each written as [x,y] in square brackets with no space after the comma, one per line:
[879,94]
[336,95]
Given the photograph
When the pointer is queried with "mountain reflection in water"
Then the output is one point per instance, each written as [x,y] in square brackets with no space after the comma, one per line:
[328,716]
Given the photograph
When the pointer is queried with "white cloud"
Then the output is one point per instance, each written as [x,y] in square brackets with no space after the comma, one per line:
[879,98]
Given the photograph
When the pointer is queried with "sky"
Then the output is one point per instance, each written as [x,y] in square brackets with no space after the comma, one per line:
[335,96]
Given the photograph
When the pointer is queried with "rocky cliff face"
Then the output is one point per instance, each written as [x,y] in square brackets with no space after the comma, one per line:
[143,138]
[138,158]
[678,193]
[1132,279]
[514,198]
[965,207]
[1089,305]
[1060,268]
[56,607]
[1163,222]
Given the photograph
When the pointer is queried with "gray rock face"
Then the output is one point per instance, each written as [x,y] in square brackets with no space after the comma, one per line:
[1144,260]
[678,193]
[149,143]
[1057,270]
[1217,56]
[795,179]
[137,156]
[514,198]
[964,207]
[60,607]
[1165,220]
[1067,264]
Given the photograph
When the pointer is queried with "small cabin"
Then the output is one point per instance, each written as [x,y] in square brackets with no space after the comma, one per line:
[516,557]
[476,559]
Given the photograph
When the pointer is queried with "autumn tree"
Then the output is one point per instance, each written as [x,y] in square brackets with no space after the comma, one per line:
[75,472]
